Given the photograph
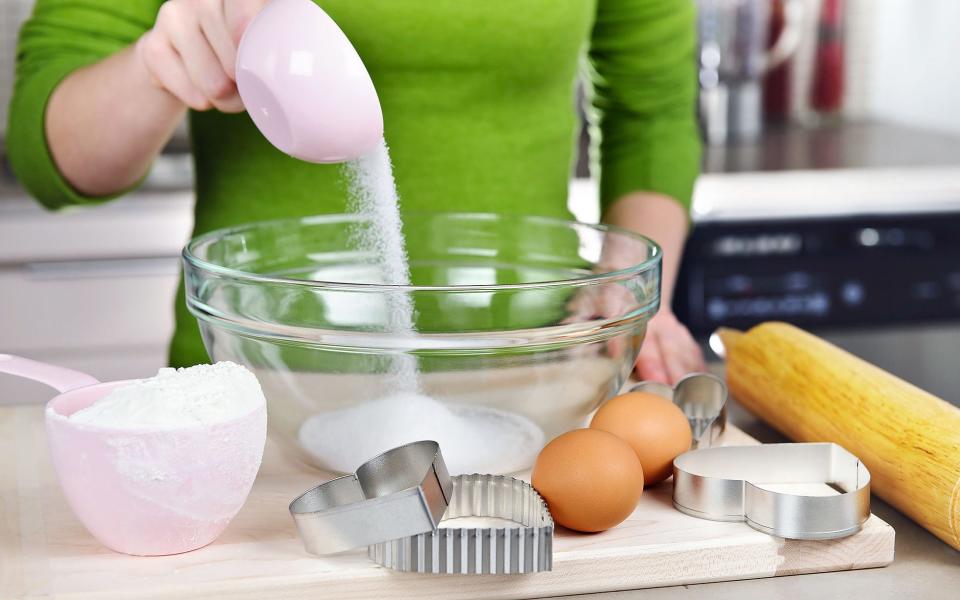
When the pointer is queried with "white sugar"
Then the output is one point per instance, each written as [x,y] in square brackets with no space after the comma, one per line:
[374,196]
[202,395]
[472,439]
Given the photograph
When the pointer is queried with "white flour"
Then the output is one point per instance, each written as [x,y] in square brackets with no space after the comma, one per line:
[176,398]
[374,196]
[472,439]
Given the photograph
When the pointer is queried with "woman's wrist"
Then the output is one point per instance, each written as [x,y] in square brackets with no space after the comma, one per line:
[660,218]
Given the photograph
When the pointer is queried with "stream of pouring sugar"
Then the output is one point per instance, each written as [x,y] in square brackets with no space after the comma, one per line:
[373,192]
[474,439]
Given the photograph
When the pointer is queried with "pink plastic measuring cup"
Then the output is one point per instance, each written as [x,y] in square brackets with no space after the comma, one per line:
[145,491]
[305,86]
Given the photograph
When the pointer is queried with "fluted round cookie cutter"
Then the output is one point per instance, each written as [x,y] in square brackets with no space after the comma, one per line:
[404,491]
[740,483]
[525,548]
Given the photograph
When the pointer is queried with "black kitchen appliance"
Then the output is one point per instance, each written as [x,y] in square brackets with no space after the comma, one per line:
[835,272]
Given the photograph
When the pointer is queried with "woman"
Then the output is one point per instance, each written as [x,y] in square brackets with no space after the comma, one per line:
[477,100]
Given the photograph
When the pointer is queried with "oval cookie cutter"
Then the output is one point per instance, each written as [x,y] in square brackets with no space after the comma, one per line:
[402,492]
[758,484]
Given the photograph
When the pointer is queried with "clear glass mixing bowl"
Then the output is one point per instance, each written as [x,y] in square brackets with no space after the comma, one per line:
[524,325]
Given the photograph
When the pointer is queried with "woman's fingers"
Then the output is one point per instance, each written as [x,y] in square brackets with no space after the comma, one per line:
[650,365]
[583,306]
[168,71]
[680,356]
[205,69]
[192,50]
[669,351]
[213,24]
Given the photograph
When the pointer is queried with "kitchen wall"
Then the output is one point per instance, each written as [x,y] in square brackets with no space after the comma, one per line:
[902,62]
[12,14]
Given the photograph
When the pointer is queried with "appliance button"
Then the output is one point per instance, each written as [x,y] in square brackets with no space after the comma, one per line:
[852,293]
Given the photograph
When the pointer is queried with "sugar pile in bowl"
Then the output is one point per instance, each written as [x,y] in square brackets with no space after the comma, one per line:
[161,465]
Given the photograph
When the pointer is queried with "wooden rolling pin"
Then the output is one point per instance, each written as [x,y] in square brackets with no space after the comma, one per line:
[812,391]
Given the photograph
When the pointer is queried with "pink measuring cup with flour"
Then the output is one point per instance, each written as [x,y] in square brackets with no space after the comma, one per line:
[304,85]
[145,491]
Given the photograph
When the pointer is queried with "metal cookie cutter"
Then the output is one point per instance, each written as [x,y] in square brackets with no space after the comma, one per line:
[702,397]
[402,492]
[739,483]
[479,550]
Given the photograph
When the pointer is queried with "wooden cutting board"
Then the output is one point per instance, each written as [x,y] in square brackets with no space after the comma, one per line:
[45,552]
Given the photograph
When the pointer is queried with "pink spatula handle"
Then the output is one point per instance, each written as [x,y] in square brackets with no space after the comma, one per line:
[59,378]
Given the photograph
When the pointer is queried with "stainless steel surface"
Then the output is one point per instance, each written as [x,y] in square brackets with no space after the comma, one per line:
[839,145]
[702,397]
[526,546]
[745,483]
[402,492]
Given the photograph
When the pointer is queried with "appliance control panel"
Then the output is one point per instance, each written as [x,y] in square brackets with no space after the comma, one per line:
[835,272]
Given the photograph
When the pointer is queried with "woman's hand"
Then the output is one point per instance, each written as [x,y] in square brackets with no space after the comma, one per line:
[669,351]
[191,52]
[106,122]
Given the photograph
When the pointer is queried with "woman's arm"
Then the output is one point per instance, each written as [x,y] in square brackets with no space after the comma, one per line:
[660,218]
[103,139]
[669,351]
[647,147]
[99,91]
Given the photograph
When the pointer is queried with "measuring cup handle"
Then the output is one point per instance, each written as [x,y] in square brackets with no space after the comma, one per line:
[59,378]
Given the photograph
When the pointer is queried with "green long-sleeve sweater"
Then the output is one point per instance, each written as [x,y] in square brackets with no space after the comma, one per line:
[478,104]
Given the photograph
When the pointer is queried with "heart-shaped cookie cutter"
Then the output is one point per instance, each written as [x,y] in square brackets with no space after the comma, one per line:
[747,483]
[703,399]
[402,492]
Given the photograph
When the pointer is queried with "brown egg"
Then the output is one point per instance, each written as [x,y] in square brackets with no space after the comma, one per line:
[590,479]
[655,427]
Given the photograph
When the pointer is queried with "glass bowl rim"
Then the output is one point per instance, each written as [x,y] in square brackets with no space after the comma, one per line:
[192,260]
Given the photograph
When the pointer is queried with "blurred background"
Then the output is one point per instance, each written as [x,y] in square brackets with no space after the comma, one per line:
[830,198]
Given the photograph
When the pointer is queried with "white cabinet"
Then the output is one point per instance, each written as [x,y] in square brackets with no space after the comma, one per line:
[90,288]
